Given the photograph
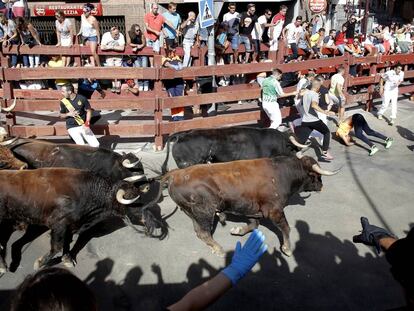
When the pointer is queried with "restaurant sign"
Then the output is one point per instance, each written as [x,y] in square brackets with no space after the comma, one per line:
[72,9]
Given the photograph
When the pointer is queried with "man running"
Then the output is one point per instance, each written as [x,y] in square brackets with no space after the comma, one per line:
[336,91]
[311,121]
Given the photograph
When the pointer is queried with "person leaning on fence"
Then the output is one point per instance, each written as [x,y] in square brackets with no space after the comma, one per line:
[316,42]
[390,81]
[291,33]
[276,28]
[304,41]
[329,42]
[8,28]
[113,40]
[137,42]
[89,30]
[190,38]
[28,37]
[65,33]
[271,91]
[77,111]
[174,87]
[172,28]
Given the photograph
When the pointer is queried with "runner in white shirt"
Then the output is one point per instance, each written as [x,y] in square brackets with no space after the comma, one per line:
[389,90]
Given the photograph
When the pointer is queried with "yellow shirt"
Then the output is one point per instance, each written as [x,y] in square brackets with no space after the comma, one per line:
[314,39]
[55,64]
[343,129]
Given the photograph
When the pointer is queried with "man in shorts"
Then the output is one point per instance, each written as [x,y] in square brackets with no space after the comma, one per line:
[336,92]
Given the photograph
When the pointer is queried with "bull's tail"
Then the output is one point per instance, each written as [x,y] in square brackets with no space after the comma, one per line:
[164,167]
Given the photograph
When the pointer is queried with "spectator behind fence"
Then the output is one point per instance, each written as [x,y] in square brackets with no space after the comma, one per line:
[190,38]
[232,18]
[64,33]
[52,289]
[77,111]
[275,31]
[329,42]
[88,86]
[291,33]
[304,41]
[28,37]
[56,62]
[350,26]
[154,23]
[316,42]
[113,40]
[89,30]
[404,42]
[136,40]
[260,34]
[174,87]
[341,40]
[336,91]
[248,24]
[172,29]
[8,29]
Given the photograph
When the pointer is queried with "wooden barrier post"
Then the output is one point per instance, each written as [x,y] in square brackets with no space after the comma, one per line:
[158,139]
[371,87]
[7,94]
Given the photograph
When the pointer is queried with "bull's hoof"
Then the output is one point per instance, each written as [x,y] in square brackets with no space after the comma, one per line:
[68,262]
[218,251]
[286,250]
[237,231]
[37,264]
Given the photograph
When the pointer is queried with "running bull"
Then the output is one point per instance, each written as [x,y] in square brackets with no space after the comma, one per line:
[229,144]
[106,163]
[8,160]
[258,188]
[65,200]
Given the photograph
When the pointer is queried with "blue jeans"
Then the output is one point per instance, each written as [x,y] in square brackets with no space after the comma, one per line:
[142,61]
[341,48]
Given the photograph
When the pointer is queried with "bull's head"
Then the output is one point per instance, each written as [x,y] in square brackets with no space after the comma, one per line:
[314,173]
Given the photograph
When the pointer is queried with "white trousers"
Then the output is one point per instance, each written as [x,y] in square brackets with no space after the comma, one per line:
[273,112]
[187,45]
[390,97]
[80,133]
[277,31]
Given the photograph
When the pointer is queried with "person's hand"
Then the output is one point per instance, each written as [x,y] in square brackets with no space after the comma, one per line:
[330,113]
[72,114]
[245,257]
[381,91]
[57,44]
[87,124]
[371,235]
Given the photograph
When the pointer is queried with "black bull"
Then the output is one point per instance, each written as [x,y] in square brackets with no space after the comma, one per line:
[65,200]
[106,163]
[229,144]
[254,188]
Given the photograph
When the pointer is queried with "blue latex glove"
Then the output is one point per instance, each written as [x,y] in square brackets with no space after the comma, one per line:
[245,257]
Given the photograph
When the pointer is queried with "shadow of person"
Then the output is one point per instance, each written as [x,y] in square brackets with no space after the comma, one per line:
[405,133]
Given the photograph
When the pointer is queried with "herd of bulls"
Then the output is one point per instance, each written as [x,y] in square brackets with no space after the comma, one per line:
[69,188]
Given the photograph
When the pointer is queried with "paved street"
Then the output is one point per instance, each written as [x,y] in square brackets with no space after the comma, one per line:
[129,271]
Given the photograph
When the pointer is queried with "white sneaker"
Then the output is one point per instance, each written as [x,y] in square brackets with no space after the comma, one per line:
[145,88]
[140,88]
[222,82]
[380,117]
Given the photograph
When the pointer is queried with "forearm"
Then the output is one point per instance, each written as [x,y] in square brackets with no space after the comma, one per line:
[88,115]
[387,242]
[287,94]
[202,296]
[316,107]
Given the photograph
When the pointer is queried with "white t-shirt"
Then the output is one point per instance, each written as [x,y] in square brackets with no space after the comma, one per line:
[64,28]
[8,29]
[309,114]
[335,80]
[392,79]
[293,32]
[111,42]
[231,19]
[18,4]
[261,21]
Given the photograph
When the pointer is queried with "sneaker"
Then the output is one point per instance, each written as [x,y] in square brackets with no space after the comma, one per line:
[222,82]
[145,88]
[388,142]
[140,88]
[380,117]
[374,149]
[240,102]
[392,121]
[327,156]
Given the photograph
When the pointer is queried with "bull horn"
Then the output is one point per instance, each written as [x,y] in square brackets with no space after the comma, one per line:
[295,142]
[134,178]
[320,171]
[299,155]
[8,109]
[9,142]
[23,167]
[120,197]
[126,163]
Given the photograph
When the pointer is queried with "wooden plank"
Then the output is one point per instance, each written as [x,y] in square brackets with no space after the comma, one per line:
[352,81]
[12,74]
[122,129]
[147,104]
[406,89]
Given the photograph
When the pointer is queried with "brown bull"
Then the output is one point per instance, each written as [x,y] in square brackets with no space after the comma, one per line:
[257,189]
[7,158]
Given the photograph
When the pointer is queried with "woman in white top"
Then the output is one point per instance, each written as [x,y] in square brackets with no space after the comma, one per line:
[90,32]
[64,33]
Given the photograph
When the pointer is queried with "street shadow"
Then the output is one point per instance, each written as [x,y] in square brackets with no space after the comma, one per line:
[329,273]
[405,133]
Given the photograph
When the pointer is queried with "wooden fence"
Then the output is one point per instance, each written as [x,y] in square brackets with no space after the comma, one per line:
[157,101]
